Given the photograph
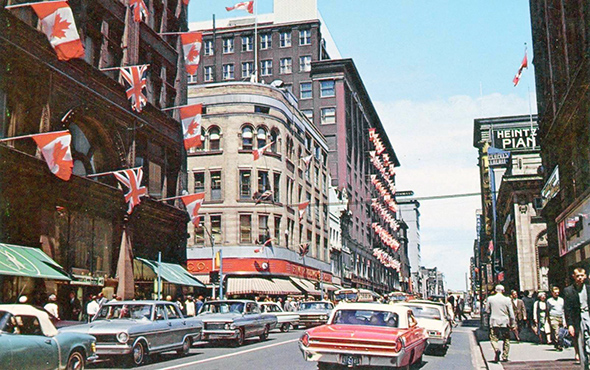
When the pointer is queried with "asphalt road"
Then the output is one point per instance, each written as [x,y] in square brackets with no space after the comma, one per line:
[281,351]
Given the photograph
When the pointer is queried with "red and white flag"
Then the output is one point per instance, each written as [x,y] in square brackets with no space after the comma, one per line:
[191,45]
[132,180]
[267,243]
[135,77]
[185,2]
[247,6]
[193,203]
[57,23]
[55,147]
[140,10]
[523,65]
[302,207]
[307,160]
[190,117]
[257,153]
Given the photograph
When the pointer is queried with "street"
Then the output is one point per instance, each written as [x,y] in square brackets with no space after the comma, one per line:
[281,351]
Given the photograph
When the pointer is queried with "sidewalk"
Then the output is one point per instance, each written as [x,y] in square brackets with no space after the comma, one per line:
[526,355]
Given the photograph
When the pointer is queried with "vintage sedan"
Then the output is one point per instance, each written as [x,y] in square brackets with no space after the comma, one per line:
[314,313]
[136,329]
[366,334]
[235,320]
[432,318]
[28,340]
[285,320]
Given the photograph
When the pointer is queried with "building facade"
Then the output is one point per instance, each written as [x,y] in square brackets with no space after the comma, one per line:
[409,212]
[560,40]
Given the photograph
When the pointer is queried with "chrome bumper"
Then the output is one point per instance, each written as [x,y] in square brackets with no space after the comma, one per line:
[113,349]
[219,334]
[335,357]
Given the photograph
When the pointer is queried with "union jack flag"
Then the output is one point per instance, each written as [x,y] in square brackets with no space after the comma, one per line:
[135,77]
[140,10]
[132,180]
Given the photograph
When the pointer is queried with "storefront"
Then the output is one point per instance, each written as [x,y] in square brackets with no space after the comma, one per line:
[176,280]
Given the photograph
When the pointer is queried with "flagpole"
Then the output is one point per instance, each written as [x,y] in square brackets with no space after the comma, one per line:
[110,172]
[177,107]
[116,68]
[29,4]
[178,197]
[31,135]
[175,33]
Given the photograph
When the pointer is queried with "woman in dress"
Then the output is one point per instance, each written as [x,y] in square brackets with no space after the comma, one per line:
[541,314]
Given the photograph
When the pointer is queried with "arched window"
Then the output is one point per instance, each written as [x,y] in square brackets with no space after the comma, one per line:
[214,138]
[274,138]
[82,152]
[261,137]
[247,137]
[289,148]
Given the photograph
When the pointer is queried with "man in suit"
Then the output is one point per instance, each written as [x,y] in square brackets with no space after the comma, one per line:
[502,320]
[577,317]
[519,313]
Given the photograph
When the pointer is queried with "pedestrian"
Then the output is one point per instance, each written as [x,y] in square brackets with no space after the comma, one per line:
[52,307]
[541,315]
[460,311]
[577,316]
[199,304]
[92,308]
[529,302]
[190,306]
[101,299]
[556,317]
[519,313]
[501,314]
[451,311]
[72,308]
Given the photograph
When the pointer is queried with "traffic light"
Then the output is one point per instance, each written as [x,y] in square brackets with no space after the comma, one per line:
[214,277]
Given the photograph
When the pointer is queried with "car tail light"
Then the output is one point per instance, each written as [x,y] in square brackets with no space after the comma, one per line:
[399,344]
[305,339]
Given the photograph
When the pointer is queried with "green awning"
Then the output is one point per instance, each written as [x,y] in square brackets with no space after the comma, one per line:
[16,260]
[173,273]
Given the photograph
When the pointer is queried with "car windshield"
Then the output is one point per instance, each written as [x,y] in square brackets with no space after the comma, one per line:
[426,312]
[222,307]
[124,312]
[6,324]
[366,317]
[315,306]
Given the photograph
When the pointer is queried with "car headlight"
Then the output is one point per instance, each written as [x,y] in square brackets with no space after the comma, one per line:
[229,326]
[93,347]
[122,337]
[324,317]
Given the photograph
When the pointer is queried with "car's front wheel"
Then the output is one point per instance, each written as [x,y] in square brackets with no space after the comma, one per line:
[239,341]
[76,361]
[285,327]
[138,353]
[186,347]
[264,335]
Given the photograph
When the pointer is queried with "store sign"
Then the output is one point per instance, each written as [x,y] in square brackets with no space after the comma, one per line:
[497,157]
[87,280]
[573,229]
[515,138]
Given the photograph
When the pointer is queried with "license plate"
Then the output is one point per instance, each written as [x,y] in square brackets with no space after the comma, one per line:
[350,360]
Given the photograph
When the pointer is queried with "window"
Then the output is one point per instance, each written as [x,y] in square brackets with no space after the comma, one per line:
[208,47]
[305,90]
[228,71]
[266,67]
[285,39]
[263,232]
[247,69]
[286,65]
[245,184]
[307,211]
[308,113]
[214,138]
[208,73]
[216,193]
[277,228]
[276,187]
[263,181]
[274,139]
[199,237]
[191,79]
[261,137]
[245,229]
[247,43]
[247,136]
[199,181]
[328,115]
[327,88]
[316,177]
[265,41]
[216,229]
[316,211]
[305,37]
[305,63]
[228,46]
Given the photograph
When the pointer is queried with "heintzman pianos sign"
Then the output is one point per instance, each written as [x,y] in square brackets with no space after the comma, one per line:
[521,138]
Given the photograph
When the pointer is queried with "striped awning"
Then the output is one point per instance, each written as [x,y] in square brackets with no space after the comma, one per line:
[287,286]
[257,285]
[306,285]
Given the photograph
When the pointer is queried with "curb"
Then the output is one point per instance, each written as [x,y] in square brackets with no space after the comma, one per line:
[477,357]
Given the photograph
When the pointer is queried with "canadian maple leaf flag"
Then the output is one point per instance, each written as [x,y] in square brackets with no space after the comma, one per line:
[135,77]
[192,203]
[247,6]
[257,153]
[132,180]
[57,23]
[140,10]
[267,243]
[55,147]
[302,207]
[190,117]
[191,45]
[524,64]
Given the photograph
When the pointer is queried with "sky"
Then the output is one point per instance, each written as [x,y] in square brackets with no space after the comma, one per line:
[431,68]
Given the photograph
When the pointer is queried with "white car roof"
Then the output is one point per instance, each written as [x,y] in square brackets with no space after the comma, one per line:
[371,307]
[27,310]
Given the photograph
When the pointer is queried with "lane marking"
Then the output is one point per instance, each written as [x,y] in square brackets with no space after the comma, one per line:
[229,355]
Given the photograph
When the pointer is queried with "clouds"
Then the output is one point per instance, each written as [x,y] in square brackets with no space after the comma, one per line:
[434,143]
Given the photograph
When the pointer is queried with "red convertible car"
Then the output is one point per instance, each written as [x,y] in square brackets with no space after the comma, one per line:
[365,334]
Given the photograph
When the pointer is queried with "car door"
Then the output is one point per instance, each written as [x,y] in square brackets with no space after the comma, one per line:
[160,332]
[251,325]
[6,350]
[176,323]
[30,348]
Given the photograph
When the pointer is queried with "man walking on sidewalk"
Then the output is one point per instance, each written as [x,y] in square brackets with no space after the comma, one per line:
[519,313]
[501,320]
[577,297]
[556,317]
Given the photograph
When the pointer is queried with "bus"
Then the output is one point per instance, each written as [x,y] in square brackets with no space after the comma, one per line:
[355,295]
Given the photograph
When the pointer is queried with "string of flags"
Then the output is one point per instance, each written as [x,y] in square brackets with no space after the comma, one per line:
[386,260]
[385,236]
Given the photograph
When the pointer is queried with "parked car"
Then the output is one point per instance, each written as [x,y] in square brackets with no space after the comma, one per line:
[285,320]
[314,313]
[366,334]
[432,318]
[137,329]
[235,320]
[28,340]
